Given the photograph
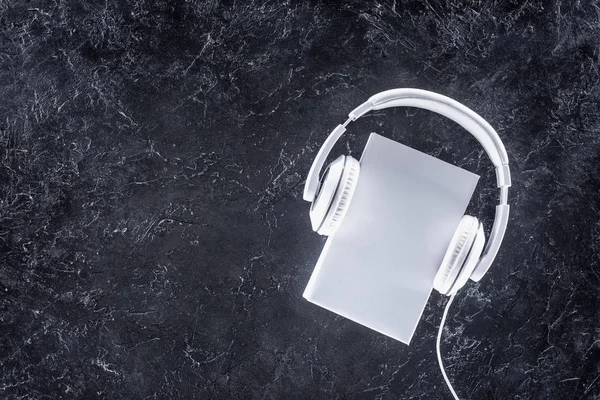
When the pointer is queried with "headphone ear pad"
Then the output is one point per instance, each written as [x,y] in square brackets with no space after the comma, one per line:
[471,261]
[455,256]
[326,191]
[343,197]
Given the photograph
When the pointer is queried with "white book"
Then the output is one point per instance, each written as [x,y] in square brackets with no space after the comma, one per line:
[378,268]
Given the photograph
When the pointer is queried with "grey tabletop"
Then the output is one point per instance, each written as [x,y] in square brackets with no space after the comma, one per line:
[153,240]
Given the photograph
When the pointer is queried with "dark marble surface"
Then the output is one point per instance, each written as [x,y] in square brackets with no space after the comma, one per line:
[154,243]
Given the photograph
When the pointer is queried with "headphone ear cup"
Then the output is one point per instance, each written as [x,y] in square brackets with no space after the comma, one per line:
[455,256]
[471,261]
[343,197]
[326,192]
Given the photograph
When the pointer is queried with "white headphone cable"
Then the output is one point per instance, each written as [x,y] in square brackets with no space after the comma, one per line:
[437,346]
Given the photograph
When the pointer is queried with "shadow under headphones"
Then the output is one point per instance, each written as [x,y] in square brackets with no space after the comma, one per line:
[331,196]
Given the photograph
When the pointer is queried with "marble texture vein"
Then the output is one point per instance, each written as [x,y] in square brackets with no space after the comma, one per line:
[153,239]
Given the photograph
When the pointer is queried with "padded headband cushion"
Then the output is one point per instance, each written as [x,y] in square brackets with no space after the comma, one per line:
[449,108]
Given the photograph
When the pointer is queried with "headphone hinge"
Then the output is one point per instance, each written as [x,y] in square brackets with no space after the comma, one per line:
[503,175]
[360,111]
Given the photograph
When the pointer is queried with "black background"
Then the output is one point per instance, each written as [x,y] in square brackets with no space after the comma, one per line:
[154,243]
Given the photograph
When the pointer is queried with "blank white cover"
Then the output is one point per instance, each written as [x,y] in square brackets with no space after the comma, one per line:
[378,268]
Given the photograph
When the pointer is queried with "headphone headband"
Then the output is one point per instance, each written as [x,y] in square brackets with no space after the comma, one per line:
[462,115]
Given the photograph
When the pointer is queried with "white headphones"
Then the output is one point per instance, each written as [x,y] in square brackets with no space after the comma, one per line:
[331,197]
